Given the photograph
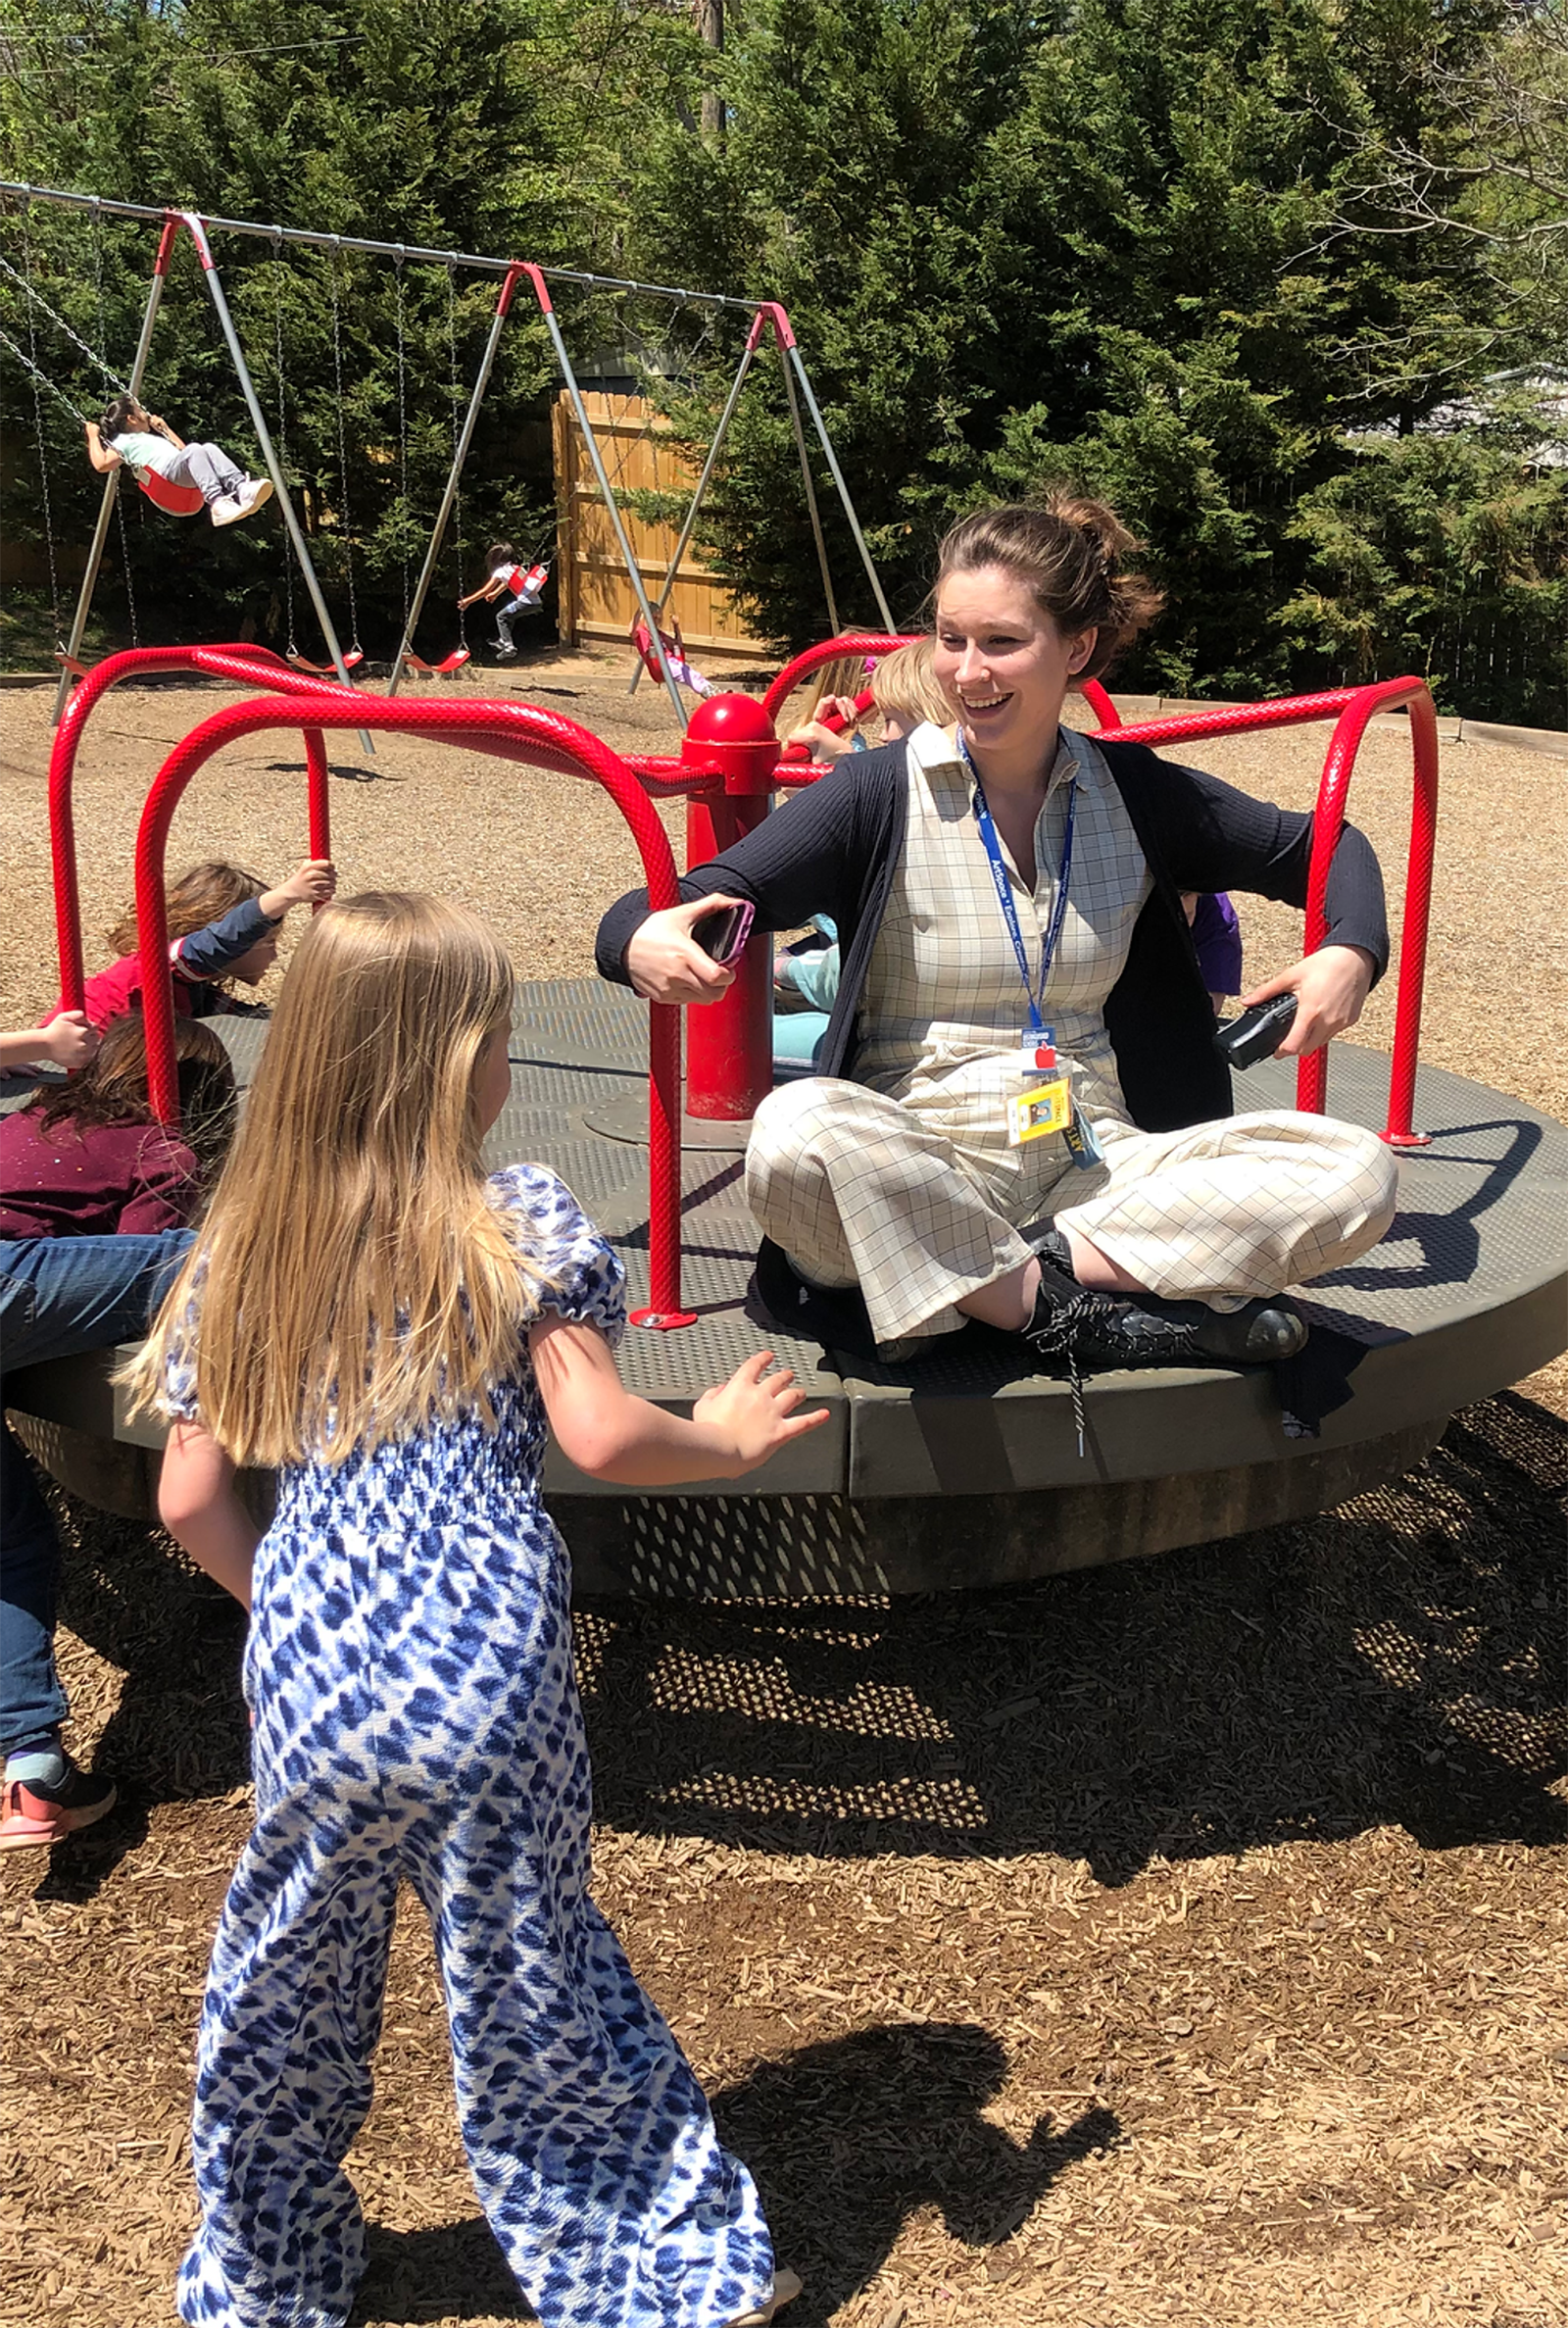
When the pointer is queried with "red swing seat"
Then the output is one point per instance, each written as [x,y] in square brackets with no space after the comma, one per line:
[176,501]
[437,670]
[327,670]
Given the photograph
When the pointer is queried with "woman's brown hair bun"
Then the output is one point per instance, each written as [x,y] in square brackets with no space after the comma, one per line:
[1071,552]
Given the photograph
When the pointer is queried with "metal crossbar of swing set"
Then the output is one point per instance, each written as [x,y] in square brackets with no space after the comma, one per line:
[766,314]
[101,205]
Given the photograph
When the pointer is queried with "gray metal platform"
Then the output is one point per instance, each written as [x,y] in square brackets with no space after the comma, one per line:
[964,1468]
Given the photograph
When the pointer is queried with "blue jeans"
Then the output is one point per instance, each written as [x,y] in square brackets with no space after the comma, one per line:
[526,602]
[58,1296]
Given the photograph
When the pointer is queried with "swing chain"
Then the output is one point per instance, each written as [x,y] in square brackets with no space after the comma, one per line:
[292,648]
[120,498]
[457,437]
[58,319]
[403,446]
[43,449]
[343,455]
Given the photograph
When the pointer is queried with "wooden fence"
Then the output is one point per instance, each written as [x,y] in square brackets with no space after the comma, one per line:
[595,599]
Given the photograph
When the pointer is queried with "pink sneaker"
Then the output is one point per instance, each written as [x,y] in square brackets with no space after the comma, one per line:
[36,1815]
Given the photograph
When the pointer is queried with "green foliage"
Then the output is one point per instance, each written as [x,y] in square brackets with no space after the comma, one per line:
[1444,554]
[1019,247]
[435,124]
[1137,243]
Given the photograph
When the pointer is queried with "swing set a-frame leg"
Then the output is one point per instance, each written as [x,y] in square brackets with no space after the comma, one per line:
[771,314]
[668,587]
[793,359]
[204,251]
[459,459]
[106,508]
[607,491]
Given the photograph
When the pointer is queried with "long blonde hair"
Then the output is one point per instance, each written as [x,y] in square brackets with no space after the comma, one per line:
[355,1284]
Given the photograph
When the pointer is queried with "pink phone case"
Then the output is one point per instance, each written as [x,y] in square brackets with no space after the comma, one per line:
[731,927]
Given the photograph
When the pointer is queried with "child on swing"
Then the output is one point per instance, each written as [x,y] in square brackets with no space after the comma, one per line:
[128,434]
[368,1313]
[520,588]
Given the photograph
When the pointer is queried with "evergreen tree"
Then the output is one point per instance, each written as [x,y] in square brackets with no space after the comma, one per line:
[1099,246]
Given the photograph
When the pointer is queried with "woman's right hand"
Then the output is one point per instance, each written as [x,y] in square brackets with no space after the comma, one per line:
[756,1412]
[665,964]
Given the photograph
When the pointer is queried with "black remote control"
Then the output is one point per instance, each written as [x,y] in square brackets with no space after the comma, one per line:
[1258,1031]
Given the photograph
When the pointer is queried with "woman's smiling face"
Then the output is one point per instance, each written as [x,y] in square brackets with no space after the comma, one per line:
[1003,661]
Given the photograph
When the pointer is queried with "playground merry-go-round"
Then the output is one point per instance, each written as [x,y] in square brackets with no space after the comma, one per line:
[964,1468]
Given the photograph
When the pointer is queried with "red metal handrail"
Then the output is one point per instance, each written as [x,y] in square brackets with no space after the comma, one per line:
[875,643]
[508,731]
[1100,703]
[1351,708]
[248,666]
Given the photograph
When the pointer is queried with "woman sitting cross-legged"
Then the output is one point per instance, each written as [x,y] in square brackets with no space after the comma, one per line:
[991,882]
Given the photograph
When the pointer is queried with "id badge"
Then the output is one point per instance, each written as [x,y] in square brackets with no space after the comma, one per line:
[1044,1106]
[1082,1145]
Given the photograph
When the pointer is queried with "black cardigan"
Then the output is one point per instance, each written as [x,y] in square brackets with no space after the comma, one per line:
[834,846]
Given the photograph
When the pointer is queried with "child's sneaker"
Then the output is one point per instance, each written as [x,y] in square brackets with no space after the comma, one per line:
[39,1811]
[231,507]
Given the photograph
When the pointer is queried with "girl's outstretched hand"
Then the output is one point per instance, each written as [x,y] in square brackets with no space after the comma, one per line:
[756,1411]
[69,1039]
[311,883]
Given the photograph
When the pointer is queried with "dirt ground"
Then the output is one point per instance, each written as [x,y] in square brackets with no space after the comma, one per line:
[1180,1943]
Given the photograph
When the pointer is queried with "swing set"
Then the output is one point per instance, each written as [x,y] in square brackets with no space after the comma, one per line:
[768,319]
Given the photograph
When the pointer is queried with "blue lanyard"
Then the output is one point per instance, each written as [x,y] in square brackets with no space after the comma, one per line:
[1010,911]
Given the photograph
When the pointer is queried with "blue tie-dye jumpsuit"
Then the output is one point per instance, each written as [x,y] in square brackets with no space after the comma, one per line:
[410,1676]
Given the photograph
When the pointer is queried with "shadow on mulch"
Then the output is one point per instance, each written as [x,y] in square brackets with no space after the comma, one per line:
[851,2138]
[1398,1661]
[454,2271]
[847,2141]
[178,1732]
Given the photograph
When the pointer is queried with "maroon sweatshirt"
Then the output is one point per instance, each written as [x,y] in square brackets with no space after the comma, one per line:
[113,1179]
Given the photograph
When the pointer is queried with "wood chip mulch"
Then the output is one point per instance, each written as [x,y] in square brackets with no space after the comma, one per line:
[1183,1942]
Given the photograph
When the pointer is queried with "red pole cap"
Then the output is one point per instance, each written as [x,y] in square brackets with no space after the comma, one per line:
[731,736]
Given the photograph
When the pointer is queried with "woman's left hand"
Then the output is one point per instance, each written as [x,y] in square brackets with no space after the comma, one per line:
[1330,987]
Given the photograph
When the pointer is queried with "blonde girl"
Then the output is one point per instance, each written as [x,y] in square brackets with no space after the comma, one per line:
[366,1312]
[904,689]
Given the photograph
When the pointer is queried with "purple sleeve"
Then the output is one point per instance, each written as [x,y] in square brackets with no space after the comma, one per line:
[1217,938]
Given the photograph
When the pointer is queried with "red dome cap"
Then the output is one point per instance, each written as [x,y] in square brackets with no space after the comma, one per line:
[730,720]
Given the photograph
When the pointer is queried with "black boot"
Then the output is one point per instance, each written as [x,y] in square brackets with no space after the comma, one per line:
[1079,1329]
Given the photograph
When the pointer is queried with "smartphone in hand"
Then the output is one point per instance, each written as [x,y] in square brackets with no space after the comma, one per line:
[723,934]
[1257,1032]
